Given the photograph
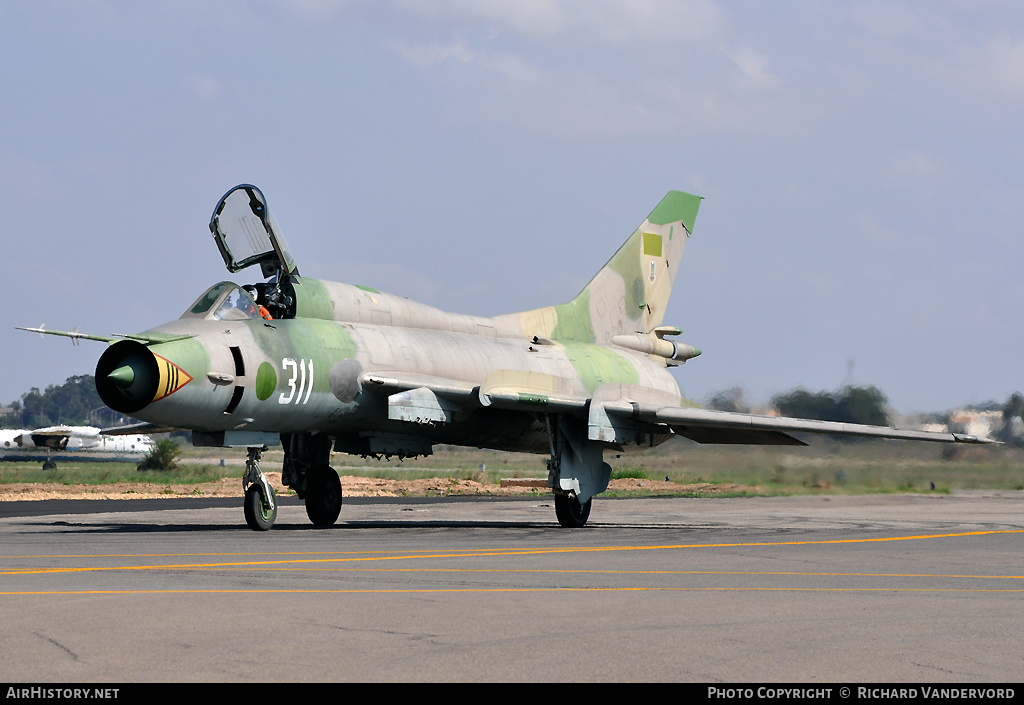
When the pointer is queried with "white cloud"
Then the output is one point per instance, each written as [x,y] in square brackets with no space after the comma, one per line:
[960,50]
[318,10]
[754,67]
[429,54]
[531,17]
[596,68]
[607,22]
[917,171]
[1000,69]
[890,21]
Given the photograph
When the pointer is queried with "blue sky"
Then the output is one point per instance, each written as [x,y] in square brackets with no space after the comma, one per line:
[861,162]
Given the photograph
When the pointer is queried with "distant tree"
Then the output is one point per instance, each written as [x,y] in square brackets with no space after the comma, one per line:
[862,405]
[1013,408]
[851,404]
[801,403]
[732,399]
[71,403]
[990,405]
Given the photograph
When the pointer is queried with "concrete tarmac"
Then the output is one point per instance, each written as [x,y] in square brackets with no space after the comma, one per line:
[825,589]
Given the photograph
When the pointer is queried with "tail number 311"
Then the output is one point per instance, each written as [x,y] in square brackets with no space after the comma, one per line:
[300,383]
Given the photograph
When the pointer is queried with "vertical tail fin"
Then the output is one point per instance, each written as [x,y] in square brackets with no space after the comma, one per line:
[631,291]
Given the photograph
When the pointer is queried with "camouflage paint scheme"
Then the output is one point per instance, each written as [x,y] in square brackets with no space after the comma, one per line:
[342,331]
[366,372]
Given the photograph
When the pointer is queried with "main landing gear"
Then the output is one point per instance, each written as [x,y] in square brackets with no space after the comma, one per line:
[576,470]
[570,512]
[323,495]
[306,470]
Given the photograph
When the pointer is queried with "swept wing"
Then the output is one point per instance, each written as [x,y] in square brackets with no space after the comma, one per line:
[616,410]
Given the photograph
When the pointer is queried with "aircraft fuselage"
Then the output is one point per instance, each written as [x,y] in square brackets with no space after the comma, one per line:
[293,375]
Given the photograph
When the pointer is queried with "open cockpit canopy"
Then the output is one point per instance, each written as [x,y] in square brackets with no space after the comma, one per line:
[247,234]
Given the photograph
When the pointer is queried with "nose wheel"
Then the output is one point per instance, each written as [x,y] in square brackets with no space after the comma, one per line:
[260,505]
[259,514]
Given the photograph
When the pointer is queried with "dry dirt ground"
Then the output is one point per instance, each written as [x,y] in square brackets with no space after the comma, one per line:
[351,486]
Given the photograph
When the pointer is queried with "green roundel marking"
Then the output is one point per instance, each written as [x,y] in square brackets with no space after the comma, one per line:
[266,381]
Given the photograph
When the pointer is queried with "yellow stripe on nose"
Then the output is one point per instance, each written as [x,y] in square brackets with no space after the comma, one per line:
[172,378]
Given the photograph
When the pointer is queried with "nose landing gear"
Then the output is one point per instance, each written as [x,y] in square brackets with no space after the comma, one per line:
[260,501]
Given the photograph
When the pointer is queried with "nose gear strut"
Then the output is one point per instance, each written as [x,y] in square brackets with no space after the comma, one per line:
[260,505]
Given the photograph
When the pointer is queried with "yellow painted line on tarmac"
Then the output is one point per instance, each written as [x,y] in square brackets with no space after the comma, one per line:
[570,571]
[398,591]
[219,553]
[482,551]
[360,557]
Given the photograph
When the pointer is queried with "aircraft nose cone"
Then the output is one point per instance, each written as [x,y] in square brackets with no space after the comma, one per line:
[130,377]
[123,376]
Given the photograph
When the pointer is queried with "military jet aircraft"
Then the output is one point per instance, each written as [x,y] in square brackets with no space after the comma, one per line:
[316,365]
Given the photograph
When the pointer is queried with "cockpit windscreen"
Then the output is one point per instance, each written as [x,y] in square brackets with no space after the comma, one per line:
[224,301]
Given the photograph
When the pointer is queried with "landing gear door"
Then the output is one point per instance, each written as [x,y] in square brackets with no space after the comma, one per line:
[247,234]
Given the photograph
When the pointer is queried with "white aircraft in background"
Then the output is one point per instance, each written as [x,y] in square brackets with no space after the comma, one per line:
[77,443]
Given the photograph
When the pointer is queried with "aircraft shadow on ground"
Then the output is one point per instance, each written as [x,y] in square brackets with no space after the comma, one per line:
[66,527]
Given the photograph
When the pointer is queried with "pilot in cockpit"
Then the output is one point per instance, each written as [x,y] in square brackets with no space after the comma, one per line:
[264,313]
[246,304]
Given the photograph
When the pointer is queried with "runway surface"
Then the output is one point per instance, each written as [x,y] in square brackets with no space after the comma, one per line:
[909,588]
